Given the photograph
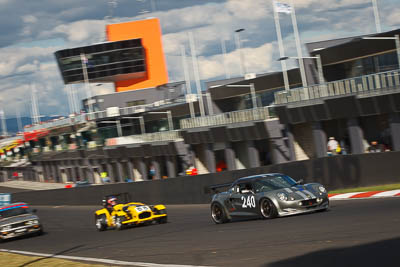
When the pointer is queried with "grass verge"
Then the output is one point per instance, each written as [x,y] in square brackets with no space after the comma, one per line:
[17,260]
[385,187]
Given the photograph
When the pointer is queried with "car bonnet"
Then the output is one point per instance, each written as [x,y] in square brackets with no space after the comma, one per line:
[19,218]
[300,192]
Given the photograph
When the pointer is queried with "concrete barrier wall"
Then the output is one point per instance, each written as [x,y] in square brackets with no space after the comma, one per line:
[334,172]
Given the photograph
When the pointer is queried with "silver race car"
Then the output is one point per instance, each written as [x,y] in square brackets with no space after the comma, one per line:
[18,219]
[267,196]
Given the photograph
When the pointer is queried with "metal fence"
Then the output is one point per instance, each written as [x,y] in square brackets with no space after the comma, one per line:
[377,83]
[262,113]
[81,118]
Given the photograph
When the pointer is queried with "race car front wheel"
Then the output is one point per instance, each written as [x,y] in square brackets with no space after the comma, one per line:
[101,223]
[267,209]
[162,220]
[118,222]
[218,214]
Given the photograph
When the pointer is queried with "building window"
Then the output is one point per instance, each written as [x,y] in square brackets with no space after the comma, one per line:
[135,103]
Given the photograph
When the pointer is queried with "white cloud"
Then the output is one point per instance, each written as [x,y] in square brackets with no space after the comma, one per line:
[79,32]
[393,19]
[29,19]
[14,58]
[249,10]
[256,60]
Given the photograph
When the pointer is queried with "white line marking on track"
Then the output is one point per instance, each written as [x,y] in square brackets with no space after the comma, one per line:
[387,193]
[347,195]
[107,261]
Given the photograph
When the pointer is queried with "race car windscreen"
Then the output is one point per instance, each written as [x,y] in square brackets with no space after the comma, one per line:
[270,183]
[14,211]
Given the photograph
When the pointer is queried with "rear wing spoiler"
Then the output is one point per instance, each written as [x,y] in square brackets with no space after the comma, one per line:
[214,188]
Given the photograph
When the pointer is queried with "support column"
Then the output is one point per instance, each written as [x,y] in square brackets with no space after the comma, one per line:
[209,157]
[320,140]
[356,136]
[46,173]
[64,176]
[3,177]
[97,169]
[253,154]
[142,173]
[70,174]
[395,130]
[71,171]
[89,174]
[156,166]
[171,166]
[53,169]
[41,173]
[58,169]
[292,153]
[230,158]
[110,171]
[129,166]
[119,176]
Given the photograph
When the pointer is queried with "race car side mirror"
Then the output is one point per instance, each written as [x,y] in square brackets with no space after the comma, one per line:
[300,181]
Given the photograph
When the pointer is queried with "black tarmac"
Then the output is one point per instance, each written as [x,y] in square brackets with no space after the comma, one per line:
[363,232]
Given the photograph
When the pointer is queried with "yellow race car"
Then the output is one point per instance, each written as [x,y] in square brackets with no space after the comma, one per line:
[119,216]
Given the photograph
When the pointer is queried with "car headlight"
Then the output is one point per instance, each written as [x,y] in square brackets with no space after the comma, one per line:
[282,196]
[164,211]
[29,222]
[35,222]
[6,228]
[322,189]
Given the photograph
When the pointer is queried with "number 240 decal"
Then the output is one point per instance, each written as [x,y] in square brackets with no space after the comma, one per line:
[249,202]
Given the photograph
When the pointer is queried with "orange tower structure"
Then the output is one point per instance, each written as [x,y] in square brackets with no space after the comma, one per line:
[149,31]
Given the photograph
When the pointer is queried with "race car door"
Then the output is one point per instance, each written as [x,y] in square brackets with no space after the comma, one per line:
[244,199]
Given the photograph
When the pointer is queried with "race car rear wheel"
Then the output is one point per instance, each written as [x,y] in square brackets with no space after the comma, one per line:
[218,214]
[101,223]
[118,222]
[267,209]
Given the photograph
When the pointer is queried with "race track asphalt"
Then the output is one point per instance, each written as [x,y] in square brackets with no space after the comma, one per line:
[363,232]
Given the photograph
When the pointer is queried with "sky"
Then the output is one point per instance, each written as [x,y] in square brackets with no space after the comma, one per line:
[32,30]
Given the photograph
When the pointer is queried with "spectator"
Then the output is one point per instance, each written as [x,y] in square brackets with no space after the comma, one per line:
[332,146]
[152,172]
[104,177]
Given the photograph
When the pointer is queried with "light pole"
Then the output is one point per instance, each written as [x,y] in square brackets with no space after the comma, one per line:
[209,103]
[223,48]
[239,47]
[188,87]
[196,72]
[169,116]
[141,120]
[376,14]
[396,38]
[3,122]
[85,62]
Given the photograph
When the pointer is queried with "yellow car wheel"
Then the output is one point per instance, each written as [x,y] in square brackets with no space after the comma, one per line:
[101,222]
[118,222]
[162,220]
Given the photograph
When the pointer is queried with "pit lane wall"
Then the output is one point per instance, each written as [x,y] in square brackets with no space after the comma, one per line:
[342,171]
